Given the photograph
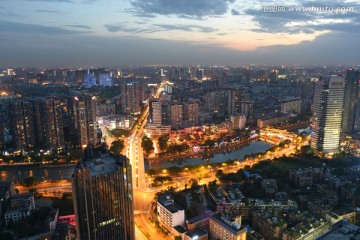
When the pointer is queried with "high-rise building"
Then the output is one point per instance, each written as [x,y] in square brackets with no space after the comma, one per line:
[103,199]
[80,75]
[54,126]
[155,116]
[217,101]
[2,135]
[165,113]
[49,124]
[82,124]
[351,100]
[238,121]
[291,105]
[247,109]
[22,124]
[327,114]
[132,96]
[177,115]
[89,80]
[10,72]
[234,101]
[191,113]
[105,79]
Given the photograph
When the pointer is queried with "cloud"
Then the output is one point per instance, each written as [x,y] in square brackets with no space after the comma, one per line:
[309,16]
[144,15]
[47,11]
[54,1]
[79,50]
[78,26]
[186,28]
[11,15]
[234,12]
[22,28]
[121,28]
[118,28]
[184,8]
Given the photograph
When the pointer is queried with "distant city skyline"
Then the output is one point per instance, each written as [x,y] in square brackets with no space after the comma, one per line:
[60,33]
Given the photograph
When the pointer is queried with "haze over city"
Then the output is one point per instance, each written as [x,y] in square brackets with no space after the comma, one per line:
[54,33]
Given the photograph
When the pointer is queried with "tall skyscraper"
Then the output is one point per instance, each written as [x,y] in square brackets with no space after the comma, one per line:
[105,79]
[247,109]
[89,80]
[351,100]
[82,113]
[2,135]
[191,113]
[234,101]
[54,126]
[176,115]
[103,199]
[165,113]
[22,124]
[155,112]
[132,95]
[327,114]
[49,124]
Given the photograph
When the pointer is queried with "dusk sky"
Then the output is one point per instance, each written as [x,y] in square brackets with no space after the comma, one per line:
[54,33]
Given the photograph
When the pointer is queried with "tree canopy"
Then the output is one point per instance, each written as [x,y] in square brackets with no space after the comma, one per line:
[163,142]
[147,145]
[117,146]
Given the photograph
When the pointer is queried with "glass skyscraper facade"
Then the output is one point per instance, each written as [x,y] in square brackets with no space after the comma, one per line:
[327,114]
[103,199]
[351,100]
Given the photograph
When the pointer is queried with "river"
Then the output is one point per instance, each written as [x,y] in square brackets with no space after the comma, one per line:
[17,173]
[237,154]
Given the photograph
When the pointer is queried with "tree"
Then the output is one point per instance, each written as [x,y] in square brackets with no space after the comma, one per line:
[119,133]
[29,182]
[147,145]
[193,182]
[6,236]
[209,143]
[23,229]
[64,204]
[177,148]
[163,142]
[117,146]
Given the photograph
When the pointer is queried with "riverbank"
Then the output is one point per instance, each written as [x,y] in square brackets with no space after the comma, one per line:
[228,147]
[238,154]
[37,165]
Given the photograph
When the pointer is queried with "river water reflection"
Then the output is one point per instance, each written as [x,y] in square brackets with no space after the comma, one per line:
[59,173]
[237,154]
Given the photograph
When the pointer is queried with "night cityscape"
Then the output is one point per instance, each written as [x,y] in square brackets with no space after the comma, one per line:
[187,119]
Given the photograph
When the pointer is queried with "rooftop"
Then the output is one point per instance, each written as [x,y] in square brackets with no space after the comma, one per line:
[102,165]
[232,226]
[196,232]
[167,200]
[343,230]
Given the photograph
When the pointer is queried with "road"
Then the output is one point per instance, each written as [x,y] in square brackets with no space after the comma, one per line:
[134,150]
[139,235]
[142,220]
[48,189]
